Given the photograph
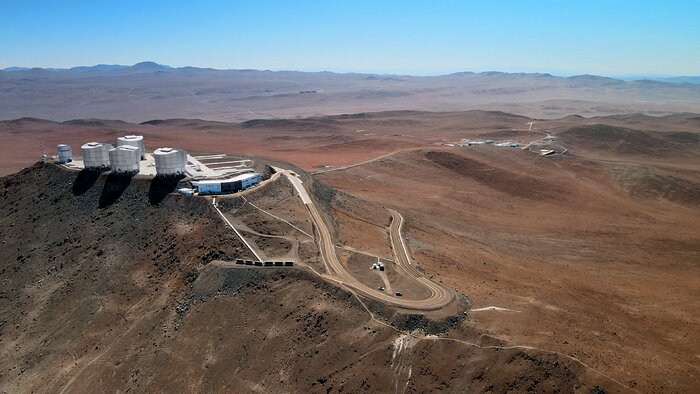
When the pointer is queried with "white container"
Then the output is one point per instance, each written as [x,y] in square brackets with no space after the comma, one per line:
[65,153]
[133,140]
[96,155]
[170,161]
[125,159]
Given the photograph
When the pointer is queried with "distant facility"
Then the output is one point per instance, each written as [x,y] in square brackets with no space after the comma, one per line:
[228,185]
[96,155]
[125,159]
[487,142]
[508,144]
[133,140]
[170,161]
[65,153]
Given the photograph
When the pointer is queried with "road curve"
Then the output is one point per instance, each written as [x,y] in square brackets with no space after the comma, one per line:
[439,296]
[403,259]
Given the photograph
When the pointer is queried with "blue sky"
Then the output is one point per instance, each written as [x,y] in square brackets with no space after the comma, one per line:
[414,37]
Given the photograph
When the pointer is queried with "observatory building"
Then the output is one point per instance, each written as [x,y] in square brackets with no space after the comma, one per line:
[133,140]
[65,153]
[170,161]
[226,186]
[96,155]
[125,159]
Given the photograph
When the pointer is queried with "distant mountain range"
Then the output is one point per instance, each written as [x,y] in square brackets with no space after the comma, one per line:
[150,90]
[143,66]
[149,66]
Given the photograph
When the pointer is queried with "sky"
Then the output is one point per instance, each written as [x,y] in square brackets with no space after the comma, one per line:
[403,37]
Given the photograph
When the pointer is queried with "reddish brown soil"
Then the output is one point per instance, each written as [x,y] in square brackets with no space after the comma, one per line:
[128,297]
[598,249]
[596,270]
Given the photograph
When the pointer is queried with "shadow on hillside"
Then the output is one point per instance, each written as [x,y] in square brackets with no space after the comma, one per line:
[84,181]
[113,189]
[161,187]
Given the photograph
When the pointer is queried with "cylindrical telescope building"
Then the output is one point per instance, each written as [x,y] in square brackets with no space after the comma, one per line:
[170,161]
[65,153]
[133,140]
[125,159]
[96,155]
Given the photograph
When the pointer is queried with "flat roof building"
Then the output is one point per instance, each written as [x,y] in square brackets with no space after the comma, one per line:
[227,185]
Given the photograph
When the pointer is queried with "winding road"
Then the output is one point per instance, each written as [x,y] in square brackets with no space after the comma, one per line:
[362,162]
[439,296]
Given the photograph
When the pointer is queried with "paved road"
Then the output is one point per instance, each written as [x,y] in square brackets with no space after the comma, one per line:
[439,296]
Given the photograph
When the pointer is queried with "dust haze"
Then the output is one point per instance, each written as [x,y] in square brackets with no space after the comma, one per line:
[149,91]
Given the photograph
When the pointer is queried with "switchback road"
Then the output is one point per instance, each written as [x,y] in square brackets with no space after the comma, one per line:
[439,296]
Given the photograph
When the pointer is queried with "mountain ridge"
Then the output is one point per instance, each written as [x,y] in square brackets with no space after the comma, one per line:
[154,66]
[149,90]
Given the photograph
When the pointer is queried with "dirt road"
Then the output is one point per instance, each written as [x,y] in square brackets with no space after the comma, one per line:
[403,260]
[439,296]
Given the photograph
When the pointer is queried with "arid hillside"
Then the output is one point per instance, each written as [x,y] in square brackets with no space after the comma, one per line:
[586,258]
[112,285]
[327,142]
[598,260]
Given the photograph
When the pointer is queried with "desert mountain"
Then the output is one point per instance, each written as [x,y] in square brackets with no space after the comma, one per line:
[565,260]
[110,288]
[149,90]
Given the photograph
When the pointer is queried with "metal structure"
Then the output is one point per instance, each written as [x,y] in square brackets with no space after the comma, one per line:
[125,159]
[170,161]
[133,140]
[65,153]
[96,155]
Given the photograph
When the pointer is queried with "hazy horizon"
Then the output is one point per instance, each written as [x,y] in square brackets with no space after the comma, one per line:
[417,73]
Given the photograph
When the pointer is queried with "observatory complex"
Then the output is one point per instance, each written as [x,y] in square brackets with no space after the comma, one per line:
[129,158]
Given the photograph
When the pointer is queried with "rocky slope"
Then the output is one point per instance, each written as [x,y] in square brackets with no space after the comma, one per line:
[111,285]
